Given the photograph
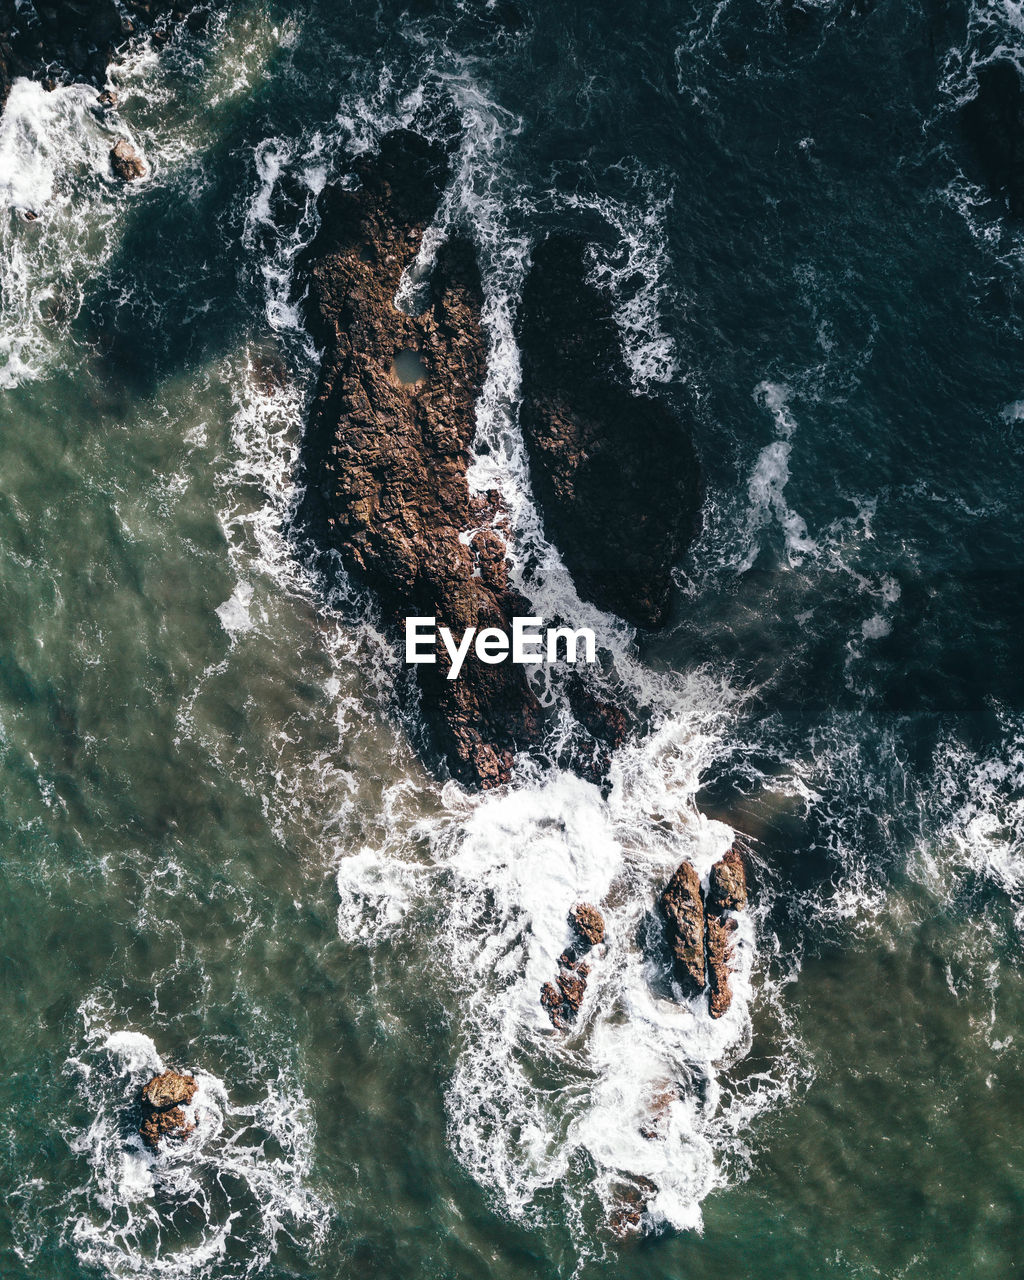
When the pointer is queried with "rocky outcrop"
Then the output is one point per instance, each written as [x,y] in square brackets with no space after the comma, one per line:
[727,892]
[615,473]
[126,161]
[563,997]
[163,1100]
[387,446]
[993,124]
[700,928]
[683,909]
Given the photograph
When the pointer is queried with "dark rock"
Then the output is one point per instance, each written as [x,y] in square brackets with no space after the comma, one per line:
[126,161]
[70,40]
[615,473]
[633,1199]
[386,461]
[602,727]
[683,909]
[107,99]
[719,931]
[563,998]
[163,1099]
[727,884]
[588,923]
[993,124]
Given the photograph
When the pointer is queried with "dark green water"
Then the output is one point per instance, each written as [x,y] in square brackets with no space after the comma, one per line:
[218,848]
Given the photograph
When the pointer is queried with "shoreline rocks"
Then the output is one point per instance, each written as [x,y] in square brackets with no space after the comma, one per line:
[386,460]
[78,39]
[615,473]
[126,161]
[563,998]
[163,1100]
[700,928]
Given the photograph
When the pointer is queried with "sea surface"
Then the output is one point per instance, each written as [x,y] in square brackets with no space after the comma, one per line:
[219,849]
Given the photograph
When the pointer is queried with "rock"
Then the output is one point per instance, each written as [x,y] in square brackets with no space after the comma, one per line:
[169,1089]
[126,161]
[615,473]
[683,908]
[64,41]
[719,932]
[386,461]
[107,99]
[588,923]
[727,884]
[164,1124]
[993,125]
[163,1099]
[727,891]
[633,1198]
[563,998]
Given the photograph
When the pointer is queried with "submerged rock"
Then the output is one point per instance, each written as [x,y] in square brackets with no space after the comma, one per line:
[386,458]
[163,1099]
[683,909]
[615,473]
[126,161]
[993,124]
[564,997]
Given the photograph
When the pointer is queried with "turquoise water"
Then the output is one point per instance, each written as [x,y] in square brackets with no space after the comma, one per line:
[219,848]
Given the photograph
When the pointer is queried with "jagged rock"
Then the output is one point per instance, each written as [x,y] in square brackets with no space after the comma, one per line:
[993,124]
[126,161]
[727,884]
[727,891]
[603,727]
[683,909]
[75,40]
[107,99]
[615,473]
[163,1099]
[164,1124]
[386,460]
[633,1200]
[169,1089]
[719,934]
[563,998]
[588,923]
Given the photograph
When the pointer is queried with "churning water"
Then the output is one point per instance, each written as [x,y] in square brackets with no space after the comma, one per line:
[219,850]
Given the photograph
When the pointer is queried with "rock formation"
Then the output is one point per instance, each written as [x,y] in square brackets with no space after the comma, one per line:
[615,473]
[993,124]
[700,929]
[163,1100]
[77,39]
[727,891]
[386,457]
[126,161]
[563,997]
[683,909]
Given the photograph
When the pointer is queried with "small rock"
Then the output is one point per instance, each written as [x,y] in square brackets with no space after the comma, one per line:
[107,99]
[169,1089]
[588,923]
[163,1100]
[126,161]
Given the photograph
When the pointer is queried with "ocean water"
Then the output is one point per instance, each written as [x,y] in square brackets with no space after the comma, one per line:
[219,848]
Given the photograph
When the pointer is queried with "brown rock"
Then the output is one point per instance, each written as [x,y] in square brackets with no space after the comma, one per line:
[615,473]
[164,1124]
[126,161]
[162,1100]
[588,923]
[633,1198]
[683,909]
[719,943]
[564,997]
[169,1089]
[386,461]
[727,884]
